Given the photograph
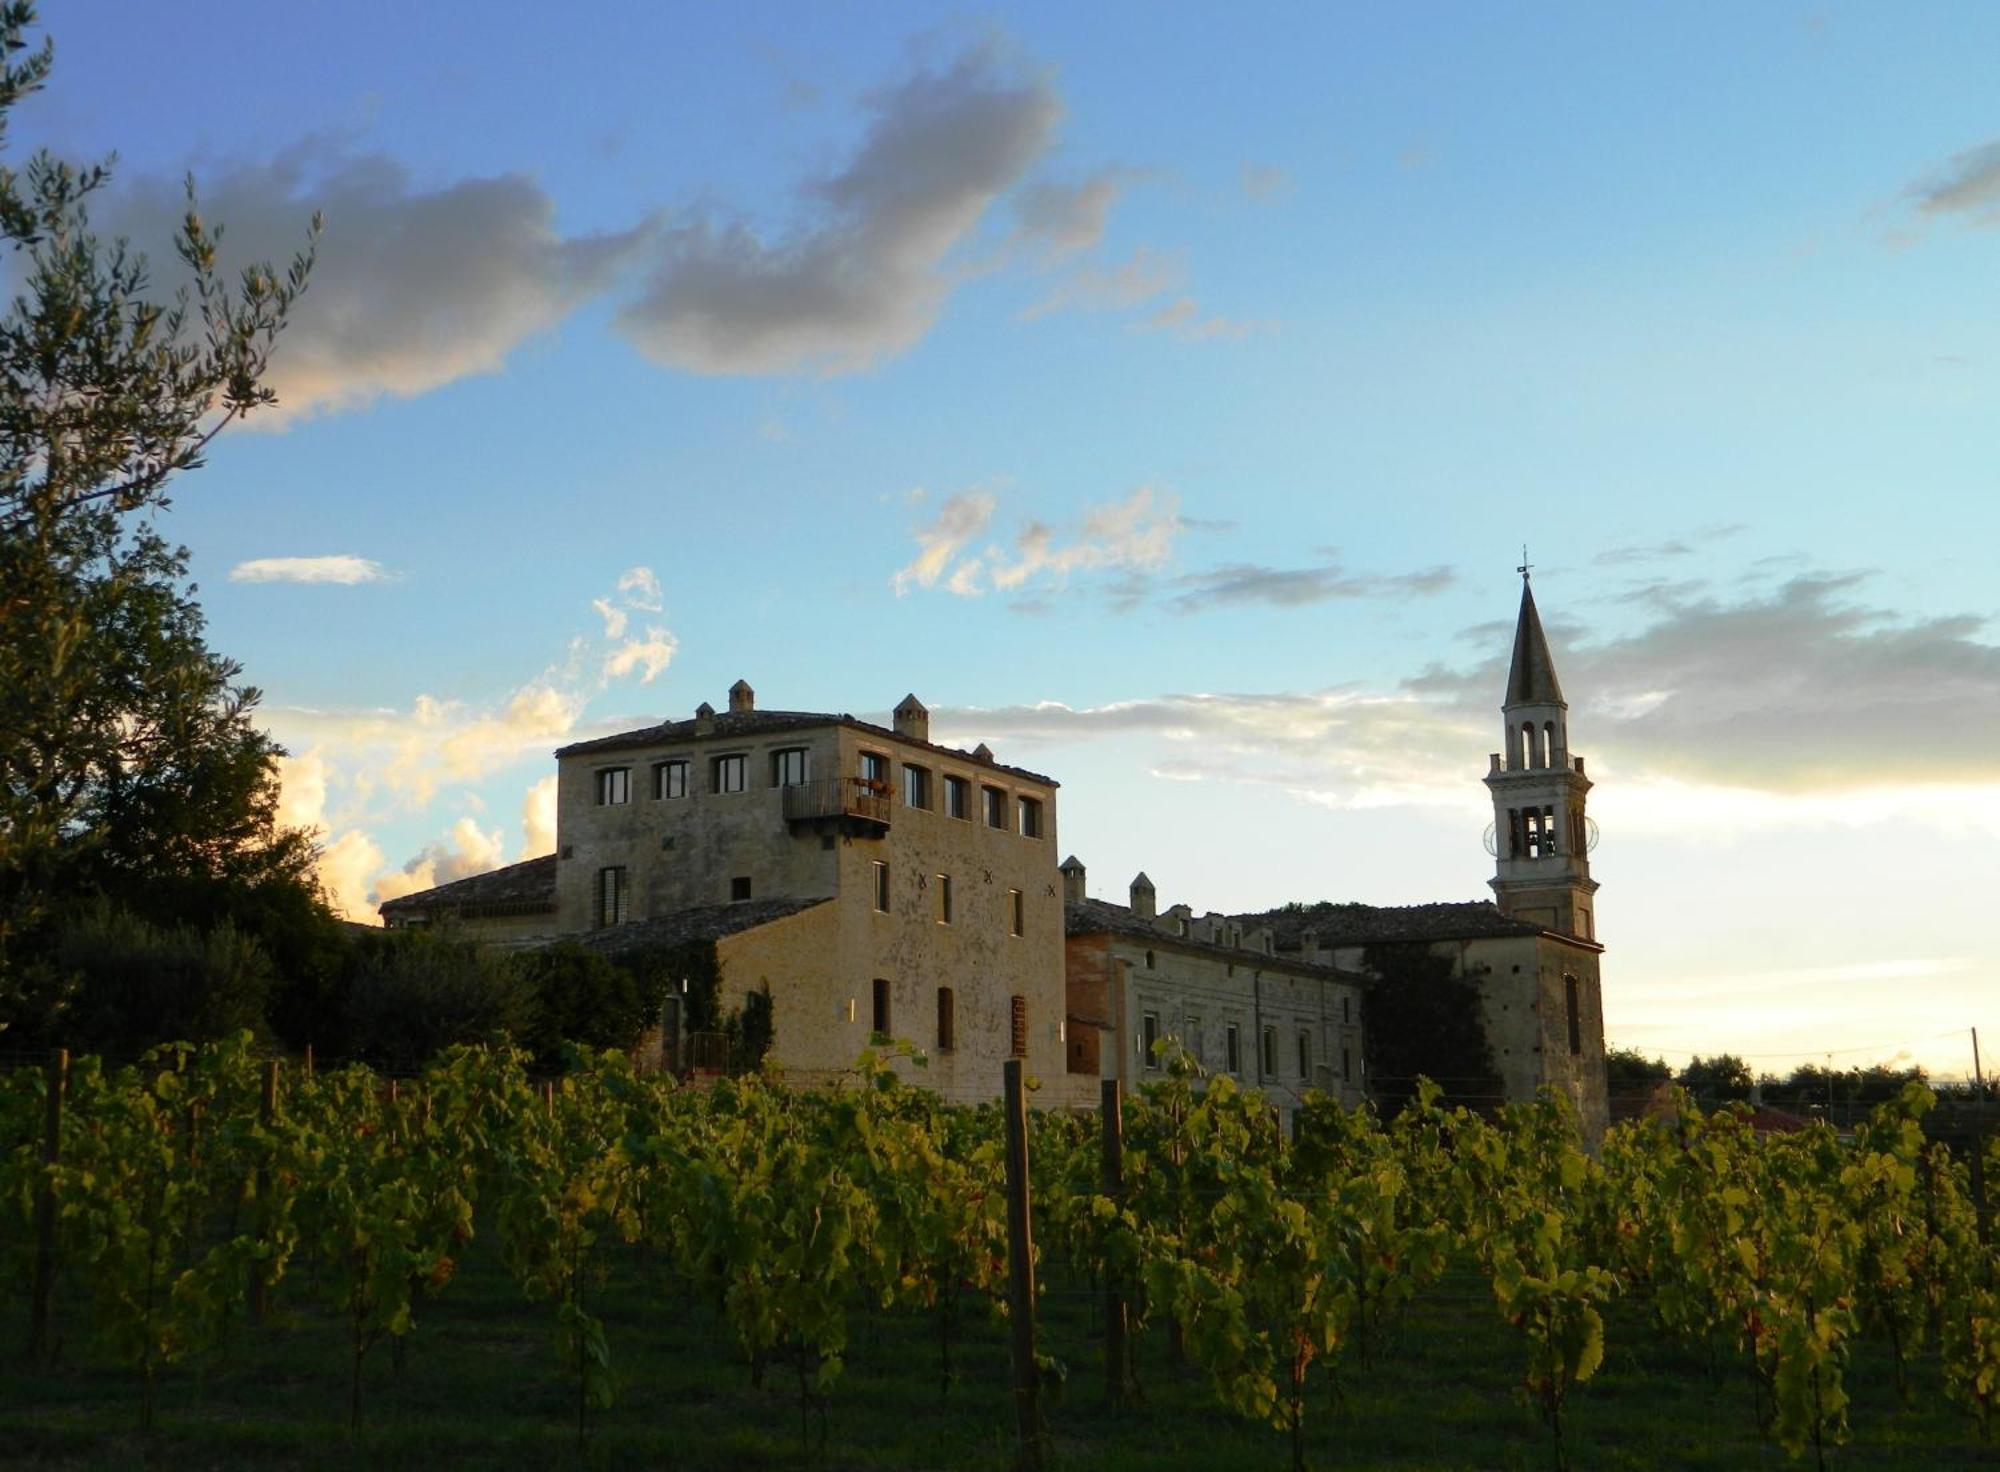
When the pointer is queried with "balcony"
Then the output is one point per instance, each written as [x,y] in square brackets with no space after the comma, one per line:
[854,805]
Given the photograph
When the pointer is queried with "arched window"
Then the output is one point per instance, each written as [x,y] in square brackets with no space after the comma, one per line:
[1520,747]
[1549,743]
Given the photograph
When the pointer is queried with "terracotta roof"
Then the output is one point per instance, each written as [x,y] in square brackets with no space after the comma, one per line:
[1099,917]
[1350,924]
[1531,678]
[703,922]
[523,887]
[774,722]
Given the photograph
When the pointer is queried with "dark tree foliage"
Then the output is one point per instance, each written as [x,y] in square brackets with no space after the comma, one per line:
[415,993]
[1630,1072]
[1424,1021]
[581,997]
[129,764]
[751,1031]
[1716,1080]
[136,983]
[1811,1088]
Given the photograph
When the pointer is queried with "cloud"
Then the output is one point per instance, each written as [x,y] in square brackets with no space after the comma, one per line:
[1968,185]
[1181,318]
[615,618]
[1342,746]
[1805,687]
[1669,547]
[1293,587]
[1802,703]
[414,286]
[466,850]
[1265,181]
[960,519]
[302,791]
[645,657]
[864,275]
[640,589]
[1145,274]
[1136,533]
[347,871]
[1064,219]
[538,819]
[337,568]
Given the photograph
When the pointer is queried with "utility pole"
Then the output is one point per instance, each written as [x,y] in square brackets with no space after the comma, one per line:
[1978,1078]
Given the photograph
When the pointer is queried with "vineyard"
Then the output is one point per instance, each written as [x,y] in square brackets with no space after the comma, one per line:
[169,1229]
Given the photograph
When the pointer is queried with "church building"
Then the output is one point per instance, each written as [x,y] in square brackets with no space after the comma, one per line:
[1533,949]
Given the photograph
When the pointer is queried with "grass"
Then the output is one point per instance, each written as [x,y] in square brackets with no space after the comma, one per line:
[481,1385]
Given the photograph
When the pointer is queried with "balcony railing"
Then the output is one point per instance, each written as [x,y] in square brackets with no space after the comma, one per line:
[854,800]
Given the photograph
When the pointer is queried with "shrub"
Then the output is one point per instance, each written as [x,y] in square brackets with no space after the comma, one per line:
[419,992]
[580,997]
[134,984]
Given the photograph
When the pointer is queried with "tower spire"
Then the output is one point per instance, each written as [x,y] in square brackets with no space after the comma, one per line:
[1531,678]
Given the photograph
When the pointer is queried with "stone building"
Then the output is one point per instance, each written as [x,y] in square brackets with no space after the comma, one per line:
[1140,977]
[1534,949]
[876,882]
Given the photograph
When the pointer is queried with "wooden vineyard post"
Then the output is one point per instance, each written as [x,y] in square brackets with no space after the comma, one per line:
[41,1307]
[1117,1354]
[260,1274]
[1021,1277]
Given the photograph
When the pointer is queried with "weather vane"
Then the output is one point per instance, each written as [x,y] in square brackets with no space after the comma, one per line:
[1525,564]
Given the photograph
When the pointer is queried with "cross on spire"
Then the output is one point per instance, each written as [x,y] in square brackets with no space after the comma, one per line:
[1525,564]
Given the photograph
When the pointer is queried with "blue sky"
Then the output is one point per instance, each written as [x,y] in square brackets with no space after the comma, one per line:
[1164,396]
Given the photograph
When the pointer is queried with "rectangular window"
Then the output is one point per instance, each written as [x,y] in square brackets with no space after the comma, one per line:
[1017,1016]
[996,807]
[880,1022]
[1573,1013]
[1270,1055]
[1193,1038]
[957,792]
[670,779]
[1232,1049]
[944,899]
[739,888]
[728,773]
[1345,1018]
[612,897]
[875,769]
[788,767]
[614,785]
[1346,1065]
[1031,817]
[881,887]
[947,1020]
[1149,1039]
[1017,913]
[1305,1055]
[916,786]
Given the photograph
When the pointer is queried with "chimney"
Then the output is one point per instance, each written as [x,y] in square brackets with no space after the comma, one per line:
[742,699]
[913,721]
[1072,875]
[704,719]
[1144,899]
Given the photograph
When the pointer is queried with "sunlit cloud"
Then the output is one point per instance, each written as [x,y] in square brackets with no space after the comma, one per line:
[1136,533]
[338,568]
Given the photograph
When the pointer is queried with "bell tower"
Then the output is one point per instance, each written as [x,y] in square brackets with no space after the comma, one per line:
[1541,837]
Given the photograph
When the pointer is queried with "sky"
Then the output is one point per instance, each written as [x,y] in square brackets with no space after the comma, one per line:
[1165,396]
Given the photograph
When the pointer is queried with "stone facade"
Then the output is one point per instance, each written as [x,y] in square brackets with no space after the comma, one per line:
[944,923]
[1140,979]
